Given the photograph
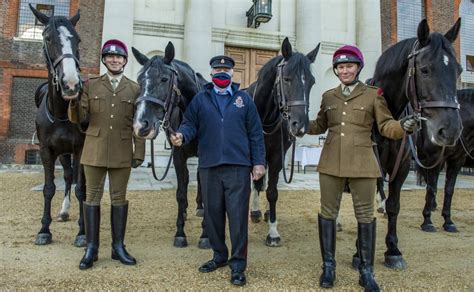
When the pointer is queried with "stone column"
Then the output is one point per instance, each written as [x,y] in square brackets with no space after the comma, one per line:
[118,24]
[197,45]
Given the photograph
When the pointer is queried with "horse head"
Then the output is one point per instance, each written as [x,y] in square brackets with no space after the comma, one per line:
[158,82]
[61,49]
[289,79]
[436,71]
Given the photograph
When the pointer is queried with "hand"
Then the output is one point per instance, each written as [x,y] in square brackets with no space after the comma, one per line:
[408,123]
[136,163]
[176,139]
[258,172]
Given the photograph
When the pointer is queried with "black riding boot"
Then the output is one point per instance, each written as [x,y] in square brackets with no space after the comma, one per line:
[366,237]
[92,224]
[327,241]
[118,219]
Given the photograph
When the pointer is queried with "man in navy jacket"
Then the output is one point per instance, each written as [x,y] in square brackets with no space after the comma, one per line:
[231,150]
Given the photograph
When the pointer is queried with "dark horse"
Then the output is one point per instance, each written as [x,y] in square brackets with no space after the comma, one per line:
[281,94]
[57,136]
[167,87]
[422,72]
[433,158]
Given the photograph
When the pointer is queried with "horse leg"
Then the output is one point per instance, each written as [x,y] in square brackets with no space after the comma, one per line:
[203,239]
[452,171]
[200,206]
[44,236]
[255,213]
[431,177]
[393,256]
[68,178]
[381,197]
[273,238]
[182,176]
[80,190]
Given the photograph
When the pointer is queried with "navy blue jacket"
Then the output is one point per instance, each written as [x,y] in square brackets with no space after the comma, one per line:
[234,136]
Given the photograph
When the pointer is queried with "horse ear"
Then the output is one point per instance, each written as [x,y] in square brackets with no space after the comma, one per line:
[75,18]
[44,19]
[141,59]
[423,32]
[286,49]
[312,55]
[452,34]
[169,53]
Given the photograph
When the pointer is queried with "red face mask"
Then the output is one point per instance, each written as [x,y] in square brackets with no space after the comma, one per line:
[221,79]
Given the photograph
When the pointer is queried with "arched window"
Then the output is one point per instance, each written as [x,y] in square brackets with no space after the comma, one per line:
[409,15]
[466,12]
[28,26]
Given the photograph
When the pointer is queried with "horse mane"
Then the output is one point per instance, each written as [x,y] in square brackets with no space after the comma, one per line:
[296,62]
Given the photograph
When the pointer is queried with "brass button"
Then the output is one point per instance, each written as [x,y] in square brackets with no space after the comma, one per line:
[113,105]
[129,101]
[115,94]
[110,127]
[344,113]
[111,116]
[345,102]
[361,107]
[342,134]
[96,97]
[343,123]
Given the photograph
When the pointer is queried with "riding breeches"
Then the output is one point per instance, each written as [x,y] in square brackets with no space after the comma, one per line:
[95,180]
[363,194]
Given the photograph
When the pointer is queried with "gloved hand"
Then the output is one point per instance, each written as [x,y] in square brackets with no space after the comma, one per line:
[408,123]
[136,163]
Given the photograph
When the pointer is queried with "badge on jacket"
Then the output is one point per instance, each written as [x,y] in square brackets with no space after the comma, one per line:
[239,102]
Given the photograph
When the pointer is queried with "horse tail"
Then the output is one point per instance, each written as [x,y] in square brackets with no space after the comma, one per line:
[41,91]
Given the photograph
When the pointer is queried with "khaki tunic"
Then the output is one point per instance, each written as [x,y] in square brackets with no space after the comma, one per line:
[109,138]
[348,151]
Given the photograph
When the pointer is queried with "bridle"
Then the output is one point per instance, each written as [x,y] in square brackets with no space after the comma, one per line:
[411,91]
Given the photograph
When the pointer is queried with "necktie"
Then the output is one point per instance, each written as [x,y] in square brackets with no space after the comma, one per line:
[114,83]
[346,91]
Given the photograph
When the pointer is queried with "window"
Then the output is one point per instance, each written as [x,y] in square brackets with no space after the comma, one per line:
[469,63]
[28,26]
[466,12]
[409,15]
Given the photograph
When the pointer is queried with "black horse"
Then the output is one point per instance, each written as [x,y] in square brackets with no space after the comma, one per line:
[57,136]
[167,87]
[281,94]
[422,72]
[454,158]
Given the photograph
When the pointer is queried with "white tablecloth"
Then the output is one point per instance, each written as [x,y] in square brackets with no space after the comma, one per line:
[307,155]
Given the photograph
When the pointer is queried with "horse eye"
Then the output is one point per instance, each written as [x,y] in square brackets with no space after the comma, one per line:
[424,70]
[164,79]
[286,79]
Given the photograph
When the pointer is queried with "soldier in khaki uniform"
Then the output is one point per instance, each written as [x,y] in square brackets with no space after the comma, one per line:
[348,112]
[110,148]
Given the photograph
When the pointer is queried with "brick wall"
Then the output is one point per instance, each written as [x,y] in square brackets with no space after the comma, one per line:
[24,59]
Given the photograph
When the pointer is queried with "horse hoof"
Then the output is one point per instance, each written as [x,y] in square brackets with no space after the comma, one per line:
[200,212]
[273,241]
[204,243]
[338,227]
[450,228]
[395,262]
[63,217]
[266,216]
[381,210]
[256,216]
[80,241]
[428,228]
[355,262]
[180,242]
[43,239]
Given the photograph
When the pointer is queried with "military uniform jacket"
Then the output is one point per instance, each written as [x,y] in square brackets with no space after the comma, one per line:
[109,138]
[348,151]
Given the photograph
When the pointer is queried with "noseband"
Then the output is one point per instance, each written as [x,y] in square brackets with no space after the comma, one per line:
[173,98]
[411,90]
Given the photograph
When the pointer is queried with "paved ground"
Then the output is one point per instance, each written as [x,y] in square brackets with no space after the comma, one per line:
[142,179]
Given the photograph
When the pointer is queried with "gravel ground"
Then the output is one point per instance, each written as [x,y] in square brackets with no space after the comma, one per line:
[436,261]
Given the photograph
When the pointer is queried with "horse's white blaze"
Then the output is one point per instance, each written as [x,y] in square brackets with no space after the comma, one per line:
[446,60]
[65,206]
[255,206]
[71,76]
[273,232]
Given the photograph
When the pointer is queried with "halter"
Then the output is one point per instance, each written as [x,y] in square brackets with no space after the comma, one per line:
[411,90]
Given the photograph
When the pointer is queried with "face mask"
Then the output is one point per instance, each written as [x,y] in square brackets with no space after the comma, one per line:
[221,79]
